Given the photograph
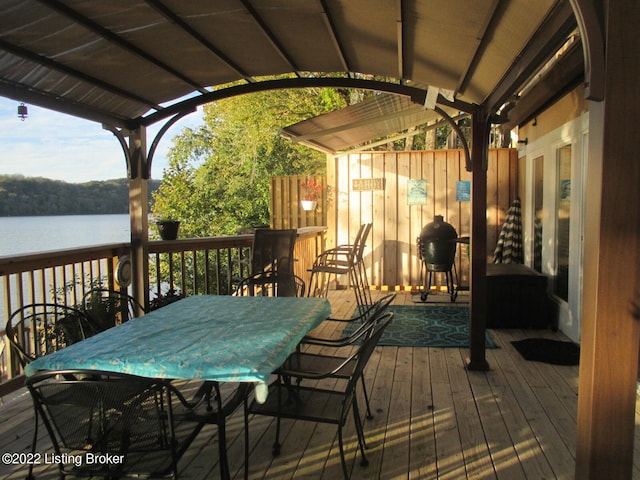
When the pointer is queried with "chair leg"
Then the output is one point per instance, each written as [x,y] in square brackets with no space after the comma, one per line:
[361,300]
[363,282]
[366,399]
[353,280]
[318,284]
[360,433]
[222,447]
[246,436]
[275,451]
[341,446]
[276,445]
[33,444]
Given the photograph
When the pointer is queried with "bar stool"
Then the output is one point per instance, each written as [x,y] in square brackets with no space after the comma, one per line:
[345,259]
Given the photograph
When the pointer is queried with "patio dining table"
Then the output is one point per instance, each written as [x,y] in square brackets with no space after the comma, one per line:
[213,338]
[203,337]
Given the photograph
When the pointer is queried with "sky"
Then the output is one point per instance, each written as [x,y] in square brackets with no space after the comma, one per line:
[62,147]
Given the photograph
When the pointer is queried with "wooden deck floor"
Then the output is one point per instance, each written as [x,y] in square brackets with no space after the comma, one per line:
[433,419]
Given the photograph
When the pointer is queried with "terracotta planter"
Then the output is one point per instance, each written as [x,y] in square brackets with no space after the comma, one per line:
[309,205]
[168,230]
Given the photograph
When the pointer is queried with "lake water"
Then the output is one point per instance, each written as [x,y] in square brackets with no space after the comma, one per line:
[20,235]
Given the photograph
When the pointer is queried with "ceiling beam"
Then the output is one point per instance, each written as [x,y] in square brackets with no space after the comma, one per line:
[333,33]
[400,38]
[119,41]
[63,105]
[417,95]
[565,75]
[551,35]
[270,36]
[482,41]
[180,23]
[59,67]
[592,32]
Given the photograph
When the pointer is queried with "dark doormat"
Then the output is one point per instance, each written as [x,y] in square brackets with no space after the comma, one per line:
[548,351]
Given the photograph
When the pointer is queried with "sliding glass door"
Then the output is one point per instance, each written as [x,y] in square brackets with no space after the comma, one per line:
[563,222]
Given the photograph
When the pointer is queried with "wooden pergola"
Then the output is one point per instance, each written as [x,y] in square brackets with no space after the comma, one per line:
[131,64]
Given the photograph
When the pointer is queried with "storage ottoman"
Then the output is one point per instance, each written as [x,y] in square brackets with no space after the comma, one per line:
[517,297]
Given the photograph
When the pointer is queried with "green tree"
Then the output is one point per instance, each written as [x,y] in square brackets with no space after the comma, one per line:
[219,174]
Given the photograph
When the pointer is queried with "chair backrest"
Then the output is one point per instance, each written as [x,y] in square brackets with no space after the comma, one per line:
[361,241]
[357,247]
[122,415]
[107,308]
[271,284]
[273,250]
[40,328]
[371,339]
[378,306]
[370,317]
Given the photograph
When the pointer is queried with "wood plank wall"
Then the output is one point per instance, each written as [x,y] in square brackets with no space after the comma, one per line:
[391,255]
[286,210]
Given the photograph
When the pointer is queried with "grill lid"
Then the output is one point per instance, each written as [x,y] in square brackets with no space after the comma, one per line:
[437,246]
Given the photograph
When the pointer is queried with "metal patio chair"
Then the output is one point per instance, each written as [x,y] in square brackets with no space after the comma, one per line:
[345,259]
[271,284]
[107,308]
[316,404]
[40,328]
[143,425]
[309,361]
[272,250]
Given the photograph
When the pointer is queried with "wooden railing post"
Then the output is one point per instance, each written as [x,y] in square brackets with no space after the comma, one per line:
[138,212]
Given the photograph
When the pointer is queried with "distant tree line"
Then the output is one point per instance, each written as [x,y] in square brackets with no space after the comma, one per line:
[27,196]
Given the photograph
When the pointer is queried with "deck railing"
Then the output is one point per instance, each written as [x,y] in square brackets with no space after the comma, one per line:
[187,266]
[214,265]
[198,265]
[62,276]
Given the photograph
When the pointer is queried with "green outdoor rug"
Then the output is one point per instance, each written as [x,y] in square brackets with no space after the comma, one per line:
[428,326]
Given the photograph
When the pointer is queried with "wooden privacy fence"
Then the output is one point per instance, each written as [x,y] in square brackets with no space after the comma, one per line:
[379,187]
[286,208]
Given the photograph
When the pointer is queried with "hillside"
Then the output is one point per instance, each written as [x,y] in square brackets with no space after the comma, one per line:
[26,196]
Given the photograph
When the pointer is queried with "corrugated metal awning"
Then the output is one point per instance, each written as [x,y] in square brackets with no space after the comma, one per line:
[358,124]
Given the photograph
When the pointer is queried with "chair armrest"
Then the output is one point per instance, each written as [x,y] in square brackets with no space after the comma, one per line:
[340,249]
[353,337]
[332,254]
[302,374]
[325,342]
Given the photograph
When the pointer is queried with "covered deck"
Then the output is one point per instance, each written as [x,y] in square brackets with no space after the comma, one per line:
[434,419]
[478,54]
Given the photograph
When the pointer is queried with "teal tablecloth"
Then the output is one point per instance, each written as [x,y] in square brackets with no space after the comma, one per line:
[207,337]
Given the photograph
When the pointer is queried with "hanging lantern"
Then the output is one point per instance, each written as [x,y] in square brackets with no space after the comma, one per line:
[23,112]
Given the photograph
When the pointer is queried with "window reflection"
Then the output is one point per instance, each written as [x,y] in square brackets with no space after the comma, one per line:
[538,176]
[563,221]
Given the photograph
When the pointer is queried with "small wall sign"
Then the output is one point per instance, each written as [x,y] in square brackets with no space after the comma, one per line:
[416,192]
[367,184]
[463,191]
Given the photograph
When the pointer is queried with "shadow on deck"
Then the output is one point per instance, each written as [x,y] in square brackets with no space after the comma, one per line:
[433,419]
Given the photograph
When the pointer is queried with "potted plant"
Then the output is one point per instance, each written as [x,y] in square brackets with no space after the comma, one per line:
[310,194]
[168,228]
[163,299]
